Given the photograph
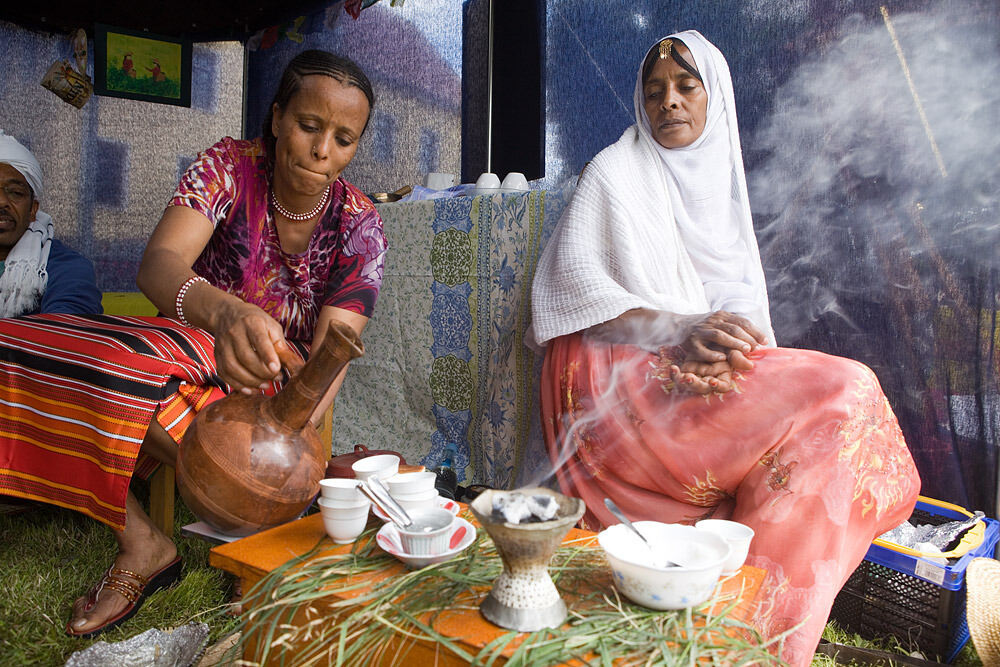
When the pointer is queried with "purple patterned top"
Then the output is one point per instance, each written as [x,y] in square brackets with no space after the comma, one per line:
[229,184]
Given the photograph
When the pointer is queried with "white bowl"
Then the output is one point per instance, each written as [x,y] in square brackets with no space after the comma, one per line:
[737,534]
[461,536]
[488,181]
[411,483]
[514,182]
[661,587]
[429,534]
[382,466]
[340,488]
[344,524]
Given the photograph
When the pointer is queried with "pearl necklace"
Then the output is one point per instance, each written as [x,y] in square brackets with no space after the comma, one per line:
[299,217]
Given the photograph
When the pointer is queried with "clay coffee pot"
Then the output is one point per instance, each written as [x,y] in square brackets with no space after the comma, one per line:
[250,462]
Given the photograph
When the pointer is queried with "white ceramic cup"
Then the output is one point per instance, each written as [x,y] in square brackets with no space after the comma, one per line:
[418,502]
[344,524]
[352,505]
[340,488]
[334,503]
[429,534]
[436,180]
[487,182]
[410,483]
[383,466]
[514,182]
[418,495]
[737,534]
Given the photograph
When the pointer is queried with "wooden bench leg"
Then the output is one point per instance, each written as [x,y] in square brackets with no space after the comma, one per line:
[161,499]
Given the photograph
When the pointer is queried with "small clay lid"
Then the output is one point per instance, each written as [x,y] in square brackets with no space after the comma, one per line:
[340,466]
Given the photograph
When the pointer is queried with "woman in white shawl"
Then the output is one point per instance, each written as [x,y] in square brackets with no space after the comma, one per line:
[662,388]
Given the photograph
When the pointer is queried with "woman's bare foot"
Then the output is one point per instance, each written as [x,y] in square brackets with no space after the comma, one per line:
[142,550]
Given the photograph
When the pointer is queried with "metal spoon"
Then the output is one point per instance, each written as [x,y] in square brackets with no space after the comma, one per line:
[379,494]
[614,509]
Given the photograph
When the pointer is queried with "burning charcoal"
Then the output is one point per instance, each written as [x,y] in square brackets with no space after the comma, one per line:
[511,507]
[543,508]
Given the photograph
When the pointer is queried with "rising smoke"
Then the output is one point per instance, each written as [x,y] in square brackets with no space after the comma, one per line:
[869,157]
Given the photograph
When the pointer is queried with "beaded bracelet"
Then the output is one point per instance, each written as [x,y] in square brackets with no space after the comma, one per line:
[181,293]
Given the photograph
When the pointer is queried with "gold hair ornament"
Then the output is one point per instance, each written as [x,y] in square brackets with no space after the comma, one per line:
[665,47]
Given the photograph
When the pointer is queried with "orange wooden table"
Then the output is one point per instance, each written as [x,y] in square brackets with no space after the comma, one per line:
[252,558]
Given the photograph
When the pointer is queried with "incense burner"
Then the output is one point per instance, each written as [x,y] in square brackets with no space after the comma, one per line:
[523,597]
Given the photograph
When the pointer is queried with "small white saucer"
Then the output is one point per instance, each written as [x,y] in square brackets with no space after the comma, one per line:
[442,502]
[462,535]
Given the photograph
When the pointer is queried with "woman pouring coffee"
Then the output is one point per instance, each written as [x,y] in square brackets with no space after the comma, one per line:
[262,245]
[661,386]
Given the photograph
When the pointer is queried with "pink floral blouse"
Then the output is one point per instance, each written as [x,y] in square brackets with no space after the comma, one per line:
[229,184]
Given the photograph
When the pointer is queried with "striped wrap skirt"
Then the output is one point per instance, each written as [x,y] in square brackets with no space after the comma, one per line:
[77,394]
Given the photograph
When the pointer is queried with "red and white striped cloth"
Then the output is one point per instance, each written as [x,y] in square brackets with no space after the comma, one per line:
[77,393]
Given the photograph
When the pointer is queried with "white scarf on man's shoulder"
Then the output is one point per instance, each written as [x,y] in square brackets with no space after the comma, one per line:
[25,273]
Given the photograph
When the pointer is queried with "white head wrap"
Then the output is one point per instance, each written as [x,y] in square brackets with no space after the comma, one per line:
[19,157]
[708,191]
[25,275]
[653,228]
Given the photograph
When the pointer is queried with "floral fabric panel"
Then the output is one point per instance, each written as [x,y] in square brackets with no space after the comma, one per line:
[445,361]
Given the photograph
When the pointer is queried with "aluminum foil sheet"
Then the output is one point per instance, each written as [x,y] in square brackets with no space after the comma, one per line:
[153,648]
[923,535]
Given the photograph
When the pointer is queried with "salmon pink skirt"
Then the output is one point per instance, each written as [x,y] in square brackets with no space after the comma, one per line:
[805,450]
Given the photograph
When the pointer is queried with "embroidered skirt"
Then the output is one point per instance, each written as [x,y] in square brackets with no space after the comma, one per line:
[805,450]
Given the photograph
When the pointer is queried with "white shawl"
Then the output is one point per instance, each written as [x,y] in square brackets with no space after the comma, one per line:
[655,228]
[25,273]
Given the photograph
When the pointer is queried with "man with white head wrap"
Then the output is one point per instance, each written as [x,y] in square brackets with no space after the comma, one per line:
[38,273]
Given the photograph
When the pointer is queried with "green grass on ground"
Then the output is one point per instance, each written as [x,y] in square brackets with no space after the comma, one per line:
[967,657]
[50,556]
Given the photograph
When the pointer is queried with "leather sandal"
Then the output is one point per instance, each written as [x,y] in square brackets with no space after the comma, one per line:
[135,589]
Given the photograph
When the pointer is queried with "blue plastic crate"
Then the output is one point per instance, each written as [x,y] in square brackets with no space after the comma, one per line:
[917,601]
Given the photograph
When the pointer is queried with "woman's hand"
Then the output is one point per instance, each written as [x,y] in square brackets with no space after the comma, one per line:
[250,347]
[700,377]
[723,337]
